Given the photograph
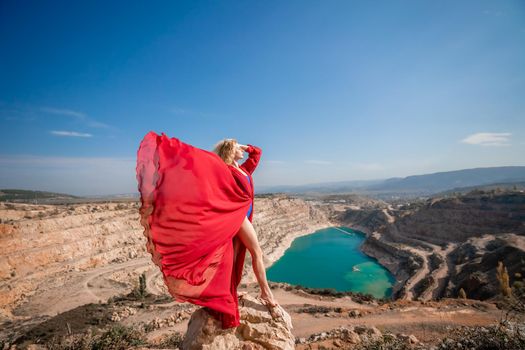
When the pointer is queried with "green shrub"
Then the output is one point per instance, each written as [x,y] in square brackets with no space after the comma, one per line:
[503,278]
[117,337]
[504,336]
[172,341]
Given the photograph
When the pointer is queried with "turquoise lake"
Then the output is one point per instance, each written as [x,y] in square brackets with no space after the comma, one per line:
[330,258]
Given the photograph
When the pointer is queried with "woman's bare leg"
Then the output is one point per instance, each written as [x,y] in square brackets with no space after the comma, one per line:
[249,238]
[235,248]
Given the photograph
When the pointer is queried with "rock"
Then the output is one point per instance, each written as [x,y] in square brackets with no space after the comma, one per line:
[115,317]
[412,339]
[350,336]
[338,343]
[355,313]
[374,332]
[353,338]
[33,347]
[258,330]
[409,339]
[368,330]
[368,333]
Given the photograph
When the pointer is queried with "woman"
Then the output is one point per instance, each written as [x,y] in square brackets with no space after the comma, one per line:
[230,152]
[194,211]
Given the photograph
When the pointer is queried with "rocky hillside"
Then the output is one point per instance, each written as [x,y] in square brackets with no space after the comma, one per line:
[100,246]
[446,244]
[44,245]
[476,261]
[453,220]
[62,267]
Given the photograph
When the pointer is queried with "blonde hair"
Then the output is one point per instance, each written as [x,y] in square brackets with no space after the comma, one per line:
[226,150]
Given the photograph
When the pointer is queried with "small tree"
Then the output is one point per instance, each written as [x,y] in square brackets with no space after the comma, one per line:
[140,291]
[142,284]
[462,294]
[503,278]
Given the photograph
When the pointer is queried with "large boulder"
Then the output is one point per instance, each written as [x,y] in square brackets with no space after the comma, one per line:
[258,330]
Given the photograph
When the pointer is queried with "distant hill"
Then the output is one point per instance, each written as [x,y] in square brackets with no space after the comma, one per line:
[44,197]
[442,181]
[414,185]
[15,195]
[519,185]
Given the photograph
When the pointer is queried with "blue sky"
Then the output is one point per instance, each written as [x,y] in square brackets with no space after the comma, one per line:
[330,90]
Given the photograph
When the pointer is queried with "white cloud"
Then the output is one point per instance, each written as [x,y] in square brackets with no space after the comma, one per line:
[66,112]
[70,133]
[488,139]
[316,161]
[80,116]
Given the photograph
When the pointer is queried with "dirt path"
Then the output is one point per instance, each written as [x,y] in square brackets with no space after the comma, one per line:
[80,288]
[412,321]
[153,277]
[419,275]
[426,321]
[286,298]
[440,274]
[389,217]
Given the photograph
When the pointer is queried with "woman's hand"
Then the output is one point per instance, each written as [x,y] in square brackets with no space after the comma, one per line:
[243,147]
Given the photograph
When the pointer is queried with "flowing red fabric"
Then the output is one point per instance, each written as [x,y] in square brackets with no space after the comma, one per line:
[192,206]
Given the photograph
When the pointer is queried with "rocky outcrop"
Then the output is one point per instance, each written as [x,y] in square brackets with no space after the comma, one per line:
[445,244]
[364,219]
[258,330]
[456,219]
[42,243]
[476,261]
[400,262]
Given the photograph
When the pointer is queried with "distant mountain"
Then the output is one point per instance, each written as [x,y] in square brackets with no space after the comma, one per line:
[321,187]
[442,181]
[414,185]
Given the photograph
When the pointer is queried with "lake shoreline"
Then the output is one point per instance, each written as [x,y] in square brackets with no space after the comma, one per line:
[310,262]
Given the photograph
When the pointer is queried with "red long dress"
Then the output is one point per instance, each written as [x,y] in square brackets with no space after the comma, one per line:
[192,206]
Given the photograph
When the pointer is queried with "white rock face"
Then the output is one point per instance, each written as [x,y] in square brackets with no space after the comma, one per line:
[258,330]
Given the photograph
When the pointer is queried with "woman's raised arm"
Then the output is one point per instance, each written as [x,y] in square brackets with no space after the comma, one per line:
[254,154]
